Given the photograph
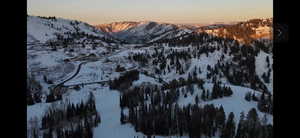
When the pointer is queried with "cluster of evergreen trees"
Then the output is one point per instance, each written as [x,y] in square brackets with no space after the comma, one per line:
[80,130]
[120,68]
[33,91]
[125,80]
[219,91]
[78,38]
[140,95]
[239,70]
[251,97]
[159,59]
[253,127]
[194,39]
[183,82]
[142,58]
[153,110]
[52,98]
[266,46]
[266,76]
[264,102]
[167,120]
[48,18]
[170,92]
[56,93]
[33,98]
[194,121]
[71,115]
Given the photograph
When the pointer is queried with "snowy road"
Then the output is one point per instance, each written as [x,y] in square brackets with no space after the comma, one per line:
[80,65]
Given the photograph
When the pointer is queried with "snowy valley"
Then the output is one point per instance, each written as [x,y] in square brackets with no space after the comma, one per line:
[147,79]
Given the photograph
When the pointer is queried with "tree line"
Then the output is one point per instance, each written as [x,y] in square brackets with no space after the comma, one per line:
[124,81]
[33,90]
[264,102]
[75,120]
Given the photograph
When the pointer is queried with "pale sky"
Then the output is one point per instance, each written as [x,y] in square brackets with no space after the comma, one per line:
[171,11]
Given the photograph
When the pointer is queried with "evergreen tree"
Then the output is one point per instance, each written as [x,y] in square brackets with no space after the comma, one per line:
[122,119]
[203,95]
[220,117]
[197,99]
[229,129]
[241,127]
[252,123]
[248,96]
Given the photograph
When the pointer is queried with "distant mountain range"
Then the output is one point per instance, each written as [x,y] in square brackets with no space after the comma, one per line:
[143,32]
[43,29]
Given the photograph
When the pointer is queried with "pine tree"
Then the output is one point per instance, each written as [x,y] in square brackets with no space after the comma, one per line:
[264,120]
[254,98]
[264,105]
[252,123]
[122,119]
[215,91]
[227,91]
[268,61]
[203,95]
[197,99]
[229,129]
[220,117]
[241,127]
[248,96]
[97,119]
[207,95]
[200,70]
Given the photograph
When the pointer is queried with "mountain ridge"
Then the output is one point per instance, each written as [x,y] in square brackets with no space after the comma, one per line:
[243,31]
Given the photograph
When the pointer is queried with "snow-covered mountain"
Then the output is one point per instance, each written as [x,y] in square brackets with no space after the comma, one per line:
[45,29]
[143,32]
[244,32]
[150,31]
[116,26]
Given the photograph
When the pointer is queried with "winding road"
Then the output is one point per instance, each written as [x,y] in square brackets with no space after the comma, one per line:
[74,75]
[61,84]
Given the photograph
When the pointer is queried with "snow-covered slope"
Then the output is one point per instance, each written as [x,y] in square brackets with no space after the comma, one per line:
[43,29]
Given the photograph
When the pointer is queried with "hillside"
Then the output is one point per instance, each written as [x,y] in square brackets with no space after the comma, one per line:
[244,32]
[45,29]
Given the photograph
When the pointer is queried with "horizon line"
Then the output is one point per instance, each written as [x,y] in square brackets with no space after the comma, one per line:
[183,23]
